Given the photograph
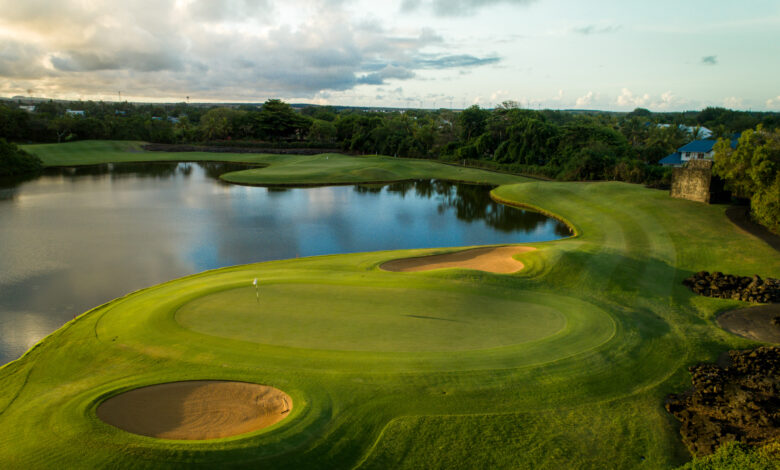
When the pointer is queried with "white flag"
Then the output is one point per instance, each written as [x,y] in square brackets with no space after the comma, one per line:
[254,283]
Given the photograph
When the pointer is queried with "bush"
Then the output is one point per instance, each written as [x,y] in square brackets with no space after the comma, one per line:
[15,161]
[737,456]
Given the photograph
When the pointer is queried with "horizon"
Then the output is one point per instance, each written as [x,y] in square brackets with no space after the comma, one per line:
[32,99]
[410,54]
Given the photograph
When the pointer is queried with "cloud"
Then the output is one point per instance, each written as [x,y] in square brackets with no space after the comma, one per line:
[456,7]
[214,49]
[595,29]
[391,71]
[709,60]
[733,102]
[627,98]
[667,101]
[584,100]
[773,102]
[210,11]
[453,61]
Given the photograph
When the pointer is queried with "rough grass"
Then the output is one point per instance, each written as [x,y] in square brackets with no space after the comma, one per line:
[589,396]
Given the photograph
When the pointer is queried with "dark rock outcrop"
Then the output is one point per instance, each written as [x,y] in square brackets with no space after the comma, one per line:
[740,402]
[729,286]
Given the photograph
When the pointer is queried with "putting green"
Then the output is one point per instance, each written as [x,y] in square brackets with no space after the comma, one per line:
[351,317]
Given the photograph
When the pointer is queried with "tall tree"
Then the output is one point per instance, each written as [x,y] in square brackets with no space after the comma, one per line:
[278,121]
[752,170]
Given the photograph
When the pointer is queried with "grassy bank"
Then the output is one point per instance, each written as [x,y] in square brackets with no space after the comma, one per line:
[562,365]
[278,169]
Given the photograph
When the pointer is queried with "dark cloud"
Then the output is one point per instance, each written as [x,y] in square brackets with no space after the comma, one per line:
[456,7]
[391,71]
[594,29]
[709,60]
[454,61]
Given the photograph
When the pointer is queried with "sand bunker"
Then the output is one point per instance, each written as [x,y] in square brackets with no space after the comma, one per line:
[491,259]
[756,323]
[202,409]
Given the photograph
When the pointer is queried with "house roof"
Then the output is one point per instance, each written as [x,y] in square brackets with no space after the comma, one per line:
[702,145]
[672,159]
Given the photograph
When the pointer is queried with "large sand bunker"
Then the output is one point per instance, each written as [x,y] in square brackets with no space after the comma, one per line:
[760,323]
[492,259]
[200,409]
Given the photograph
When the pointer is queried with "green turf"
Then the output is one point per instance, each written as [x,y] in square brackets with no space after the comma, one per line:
[587,396]
[348,317]
[277,169]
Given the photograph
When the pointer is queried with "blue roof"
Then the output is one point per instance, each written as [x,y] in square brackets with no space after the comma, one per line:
[703,145]
[673,159]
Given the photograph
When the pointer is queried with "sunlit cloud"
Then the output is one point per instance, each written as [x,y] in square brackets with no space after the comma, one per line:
[627,98]
[584,100]
[211,48]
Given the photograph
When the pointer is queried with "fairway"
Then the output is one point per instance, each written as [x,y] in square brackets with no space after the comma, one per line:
[563,364]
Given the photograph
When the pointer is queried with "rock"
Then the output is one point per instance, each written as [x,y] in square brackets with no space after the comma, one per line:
[729,286]
[736,403]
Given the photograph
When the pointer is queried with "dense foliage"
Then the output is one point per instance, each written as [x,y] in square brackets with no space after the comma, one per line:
[752,170]
[15,161]
[566,145]
[736,456]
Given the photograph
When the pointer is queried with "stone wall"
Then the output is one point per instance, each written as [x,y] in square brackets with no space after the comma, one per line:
[693,181]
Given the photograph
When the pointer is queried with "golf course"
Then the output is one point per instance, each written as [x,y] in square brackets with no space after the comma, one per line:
[551,355]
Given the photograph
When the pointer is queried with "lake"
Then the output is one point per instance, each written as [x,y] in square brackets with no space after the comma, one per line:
[75,238]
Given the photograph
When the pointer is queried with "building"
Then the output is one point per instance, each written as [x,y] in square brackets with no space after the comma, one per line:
[698,132]
[29,109]
[75,112]
[695,150]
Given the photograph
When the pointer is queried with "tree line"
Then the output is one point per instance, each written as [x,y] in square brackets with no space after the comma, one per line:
[565,145]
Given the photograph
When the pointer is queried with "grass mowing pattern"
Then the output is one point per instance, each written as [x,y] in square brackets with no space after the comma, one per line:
[570,400]
[354,318]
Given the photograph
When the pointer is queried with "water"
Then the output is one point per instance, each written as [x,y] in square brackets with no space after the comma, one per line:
[75,238]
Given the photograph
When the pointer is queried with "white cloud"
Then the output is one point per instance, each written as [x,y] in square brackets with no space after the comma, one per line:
[733,102]
[773,102]
[499,95]
[627,98]
[584,100]
[667,100]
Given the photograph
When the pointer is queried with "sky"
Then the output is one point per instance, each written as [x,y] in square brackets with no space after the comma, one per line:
[664,55]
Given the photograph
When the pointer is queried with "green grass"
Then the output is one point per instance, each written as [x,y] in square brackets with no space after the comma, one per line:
[278,169]
[348,317]
[563,365]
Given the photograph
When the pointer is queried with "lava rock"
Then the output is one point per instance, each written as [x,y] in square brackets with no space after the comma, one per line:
[740,402]
[728,286]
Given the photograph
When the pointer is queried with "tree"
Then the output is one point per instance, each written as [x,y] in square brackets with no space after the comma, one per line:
[62,127]
[219,123]
[752,170]
[322,131]
[278,121]
[472,121]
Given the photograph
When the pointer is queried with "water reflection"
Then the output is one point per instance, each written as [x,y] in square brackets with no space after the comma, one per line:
[78,237]
[473,203]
